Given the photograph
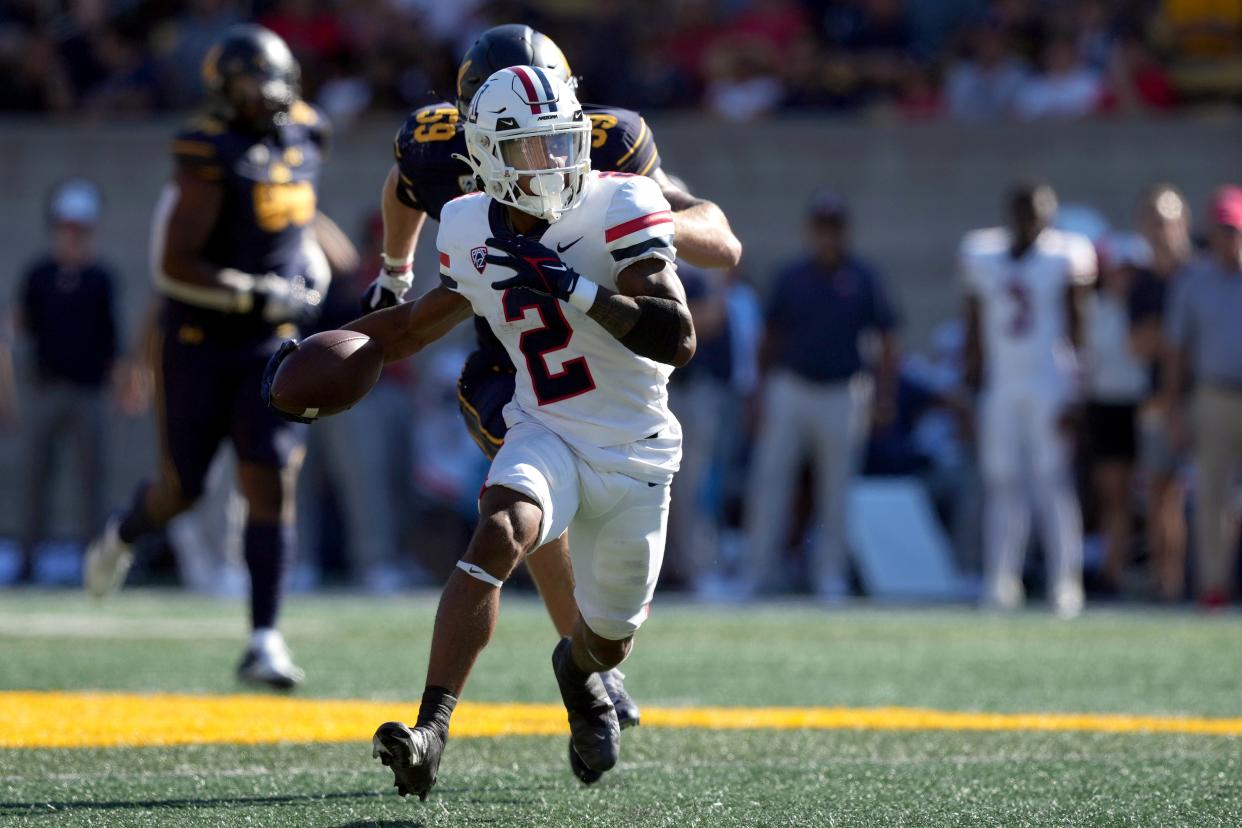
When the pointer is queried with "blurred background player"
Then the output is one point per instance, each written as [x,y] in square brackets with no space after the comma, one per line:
[67,312]
[234,256]
[1205,342]
[818,394]
[430,170]
[1023,323]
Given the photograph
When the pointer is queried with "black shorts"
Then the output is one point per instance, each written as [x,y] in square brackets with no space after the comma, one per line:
[1112,431]
[207,390]
[484,389]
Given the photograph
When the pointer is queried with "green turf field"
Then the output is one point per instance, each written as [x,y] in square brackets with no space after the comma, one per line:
[1126,662]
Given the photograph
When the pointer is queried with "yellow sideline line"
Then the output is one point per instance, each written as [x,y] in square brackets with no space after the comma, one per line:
[39,719]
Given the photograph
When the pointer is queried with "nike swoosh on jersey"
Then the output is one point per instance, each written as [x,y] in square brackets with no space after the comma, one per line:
[560,249]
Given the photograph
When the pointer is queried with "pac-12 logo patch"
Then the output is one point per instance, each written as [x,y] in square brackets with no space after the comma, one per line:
[478,255]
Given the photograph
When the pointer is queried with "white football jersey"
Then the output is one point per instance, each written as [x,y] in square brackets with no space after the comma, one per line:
[1022,303]
[609,404]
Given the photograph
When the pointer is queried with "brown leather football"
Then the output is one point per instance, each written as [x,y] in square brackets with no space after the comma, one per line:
[327,374]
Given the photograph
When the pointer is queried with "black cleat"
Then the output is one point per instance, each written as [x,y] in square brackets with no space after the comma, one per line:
[627,709]
[595,734]
[588,776]
[412,755]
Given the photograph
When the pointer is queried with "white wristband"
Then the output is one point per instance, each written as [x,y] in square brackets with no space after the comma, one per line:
[399,262]
[584,294]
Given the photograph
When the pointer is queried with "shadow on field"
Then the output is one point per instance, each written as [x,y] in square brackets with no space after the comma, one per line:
[17,808]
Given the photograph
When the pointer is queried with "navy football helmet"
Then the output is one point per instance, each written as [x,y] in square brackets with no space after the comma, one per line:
[252,78]
[513,44]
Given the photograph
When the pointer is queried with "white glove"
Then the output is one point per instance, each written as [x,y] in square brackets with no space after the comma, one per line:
[389,288]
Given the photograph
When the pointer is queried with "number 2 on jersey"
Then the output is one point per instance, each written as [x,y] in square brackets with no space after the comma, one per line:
[538,344]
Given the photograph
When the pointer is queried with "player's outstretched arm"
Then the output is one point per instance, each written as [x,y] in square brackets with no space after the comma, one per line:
[704,237]
[404,330]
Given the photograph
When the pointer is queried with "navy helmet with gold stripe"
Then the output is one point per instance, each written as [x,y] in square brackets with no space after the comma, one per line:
[252,77]
[513,44]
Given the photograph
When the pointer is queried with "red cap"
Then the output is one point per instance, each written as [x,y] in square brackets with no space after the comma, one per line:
[1227,207]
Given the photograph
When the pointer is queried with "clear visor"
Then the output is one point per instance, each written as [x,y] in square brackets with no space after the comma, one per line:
[539,152]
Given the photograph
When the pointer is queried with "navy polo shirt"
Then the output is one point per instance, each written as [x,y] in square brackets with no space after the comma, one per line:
[817,317]
[69,316]
[713,356]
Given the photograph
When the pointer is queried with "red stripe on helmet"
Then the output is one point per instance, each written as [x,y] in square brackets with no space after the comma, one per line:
[529,86]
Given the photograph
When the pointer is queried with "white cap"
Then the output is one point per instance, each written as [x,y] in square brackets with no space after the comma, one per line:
[76,200]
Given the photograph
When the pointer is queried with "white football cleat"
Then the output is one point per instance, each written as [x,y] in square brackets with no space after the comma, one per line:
[1003,594]
[108,559]
[1067,600]
[268,662]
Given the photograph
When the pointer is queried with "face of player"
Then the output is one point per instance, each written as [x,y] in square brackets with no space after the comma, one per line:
[1226,243]
[538,152]
[261,103]
[1031,213]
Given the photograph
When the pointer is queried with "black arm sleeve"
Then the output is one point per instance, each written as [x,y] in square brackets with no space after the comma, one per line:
[658,333]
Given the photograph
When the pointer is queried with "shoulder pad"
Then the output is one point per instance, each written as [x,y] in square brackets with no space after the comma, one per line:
[426,127]
[621,141]
[202,147]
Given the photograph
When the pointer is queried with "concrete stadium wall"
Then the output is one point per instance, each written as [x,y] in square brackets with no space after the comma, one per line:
[914,189]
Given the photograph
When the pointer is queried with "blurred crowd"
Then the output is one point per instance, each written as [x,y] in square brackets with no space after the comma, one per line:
[739,59]
[797,399]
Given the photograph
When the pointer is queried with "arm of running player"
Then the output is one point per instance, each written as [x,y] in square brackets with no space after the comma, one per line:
[648,313]
[704,237]
[406,329]
[402,224]
[186,275]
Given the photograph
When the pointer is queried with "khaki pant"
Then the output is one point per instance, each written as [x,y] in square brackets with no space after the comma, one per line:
[827,422]
[1218,458]
[61,415]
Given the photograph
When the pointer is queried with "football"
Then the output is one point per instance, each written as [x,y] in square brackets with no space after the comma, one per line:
[327,374]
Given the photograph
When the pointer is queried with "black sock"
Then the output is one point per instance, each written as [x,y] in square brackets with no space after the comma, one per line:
[136,523]
[267,547]
[436,709]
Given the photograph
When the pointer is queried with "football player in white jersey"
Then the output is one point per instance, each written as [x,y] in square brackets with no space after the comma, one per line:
[574,272]
[1023,287]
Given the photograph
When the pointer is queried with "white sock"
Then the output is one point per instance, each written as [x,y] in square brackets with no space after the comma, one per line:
[265,638]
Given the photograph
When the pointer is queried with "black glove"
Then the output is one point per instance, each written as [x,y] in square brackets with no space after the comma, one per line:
[535,266]
[269,376]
